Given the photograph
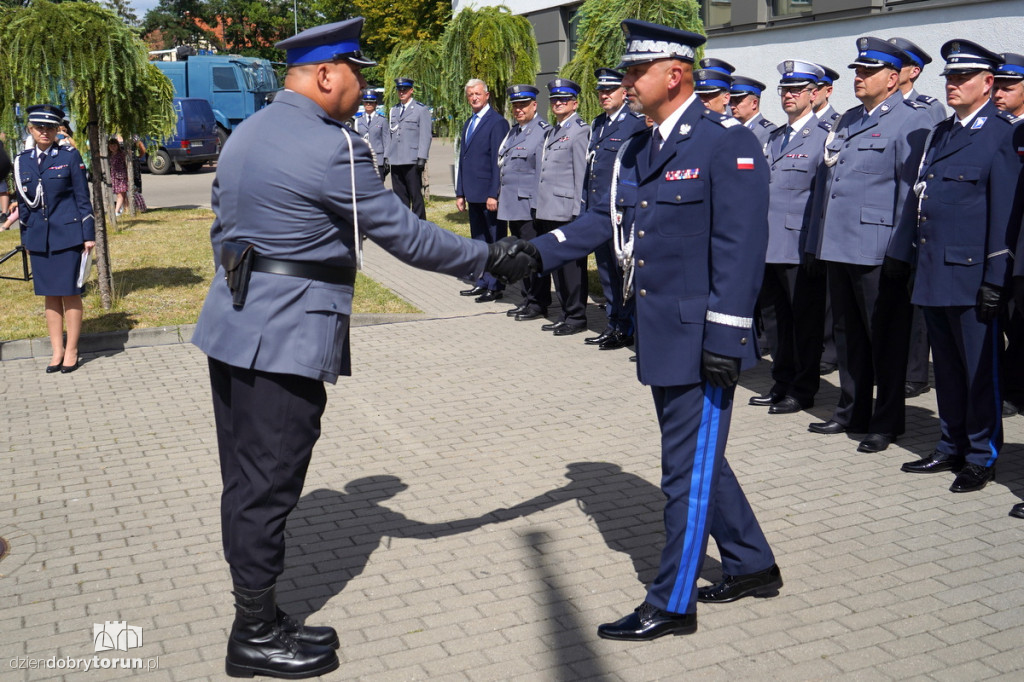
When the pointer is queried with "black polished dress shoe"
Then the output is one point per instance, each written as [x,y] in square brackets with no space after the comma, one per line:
[875,442]
[826,368]
[475,291]
[648,622]
[552,327]
[529,315]
[616,341]
[912,389]
[764,583]
[569,329]
[489,295]
[518,310]
[972,477]
[788,405]
[1017,510]
[765,399]
[934,463]
[1010,409]
[829,428]
[600,338]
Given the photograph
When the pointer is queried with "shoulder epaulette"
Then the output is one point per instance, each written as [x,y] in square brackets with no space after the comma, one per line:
[638,115]
[544,124]
[915,104]
[926,99]
[1007,116]
[765,123]
[723,120]
[581,123]
[825,124]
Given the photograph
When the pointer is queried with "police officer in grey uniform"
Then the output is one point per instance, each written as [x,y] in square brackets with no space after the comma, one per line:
[909,75]
[287,243]
[559,199]
[822,108]
[373,127]
[712,86]
[795,295]
[409,146]
[519,165]
[869,164]
[745,104]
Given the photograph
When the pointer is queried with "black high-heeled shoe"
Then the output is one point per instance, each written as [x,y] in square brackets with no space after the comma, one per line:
[50,369]
[65,369]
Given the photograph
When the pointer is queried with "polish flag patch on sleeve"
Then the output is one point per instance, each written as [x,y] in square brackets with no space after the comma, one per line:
[745,163]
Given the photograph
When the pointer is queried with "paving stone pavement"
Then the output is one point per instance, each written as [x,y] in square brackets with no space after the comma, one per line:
[482,496]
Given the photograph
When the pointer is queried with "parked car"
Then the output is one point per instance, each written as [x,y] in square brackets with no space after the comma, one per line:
[194,142]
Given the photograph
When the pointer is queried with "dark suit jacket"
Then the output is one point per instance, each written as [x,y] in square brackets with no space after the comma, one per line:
[67,220]
[699,213]
[478,176]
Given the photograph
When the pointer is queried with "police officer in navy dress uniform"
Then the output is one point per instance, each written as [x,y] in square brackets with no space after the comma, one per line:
[795,295]
[373,127]
[287,243]
[745,106]
[409,146]
[57,226]
[477,181]
[712,86]
[963,235]
[694,256]
[559,199]
[519,167]
[870,159]
[609,133]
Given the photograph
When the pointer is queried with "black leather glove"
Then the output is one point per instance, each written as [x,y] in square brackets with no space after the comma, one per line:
[719,371]
[1018,293]
[990,302]
[893,268]
[421,164]
[812,267]
[512,259]
[386,168]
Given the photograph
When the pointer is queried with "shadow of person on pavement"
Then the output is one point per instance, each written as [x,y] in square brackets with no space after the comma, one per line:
[626,509]
[332,535]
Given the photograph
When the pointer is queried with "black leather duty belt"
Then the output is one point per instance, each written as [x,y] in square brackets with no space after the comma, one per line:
[306,270]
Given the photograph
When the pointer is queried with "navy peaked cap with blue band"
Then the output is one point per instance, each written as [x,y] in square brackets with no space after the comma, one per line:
[522,93]
[741,85]
[563,87]
[404,82]
[796,72]
[830,77]
[707,81]
[370,95]
[1012,66]
[916,54]
[608,79]
[45,114]
[647,42]
[327,43]
[964,55]
[874,53]
[717,65]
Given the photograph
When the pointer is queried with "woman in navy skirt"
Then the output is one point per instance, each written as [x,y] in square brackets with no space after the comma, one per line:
[57,227]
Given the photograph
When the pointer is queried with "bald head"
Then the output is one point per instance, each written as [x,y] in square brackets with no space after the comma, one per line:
[336,86]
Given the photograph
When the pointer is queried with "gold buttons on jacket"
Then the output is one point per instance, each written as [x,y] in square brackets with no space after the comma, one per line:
[643,204]
[643,292]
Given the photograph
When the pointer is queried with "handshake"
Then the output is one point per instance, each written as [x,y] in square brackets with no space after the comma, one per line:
[512,259]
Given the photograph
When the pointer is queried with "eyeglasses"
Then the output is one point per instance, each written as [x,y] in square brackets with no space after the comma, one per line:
[795,90]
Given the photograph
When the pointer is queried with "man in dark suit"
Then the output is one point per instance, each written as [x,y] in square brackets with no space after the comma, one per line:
[608,133]
[870,159]
[477,180]
[963,235]
[696,256]
[273,337]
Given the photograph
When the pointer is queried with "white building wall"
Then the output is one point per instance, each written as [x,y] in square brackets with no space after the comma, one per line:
[999,26]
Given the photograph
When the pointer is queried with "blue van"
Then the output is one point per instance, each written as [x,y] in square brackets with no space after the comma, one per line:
[194,142]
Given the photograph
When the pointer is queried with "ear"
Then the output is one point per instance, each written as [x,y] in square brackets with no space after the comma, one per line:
[324,77]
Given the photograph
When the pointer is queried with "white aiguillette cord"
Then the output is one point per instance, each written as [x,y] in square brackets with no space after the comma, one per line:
[358,242]
[35,201]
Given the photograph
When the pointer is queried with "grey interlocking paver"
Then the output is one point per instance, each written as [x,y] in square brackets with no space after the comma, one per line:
[403,540]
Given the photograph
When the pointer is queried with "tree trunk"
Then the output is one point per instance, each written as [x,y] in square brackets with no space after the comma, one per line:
[102,255]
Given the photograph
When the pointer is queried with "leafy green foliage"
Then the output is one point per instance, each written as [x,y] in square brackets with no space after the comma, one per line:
[251,27]
[600,41]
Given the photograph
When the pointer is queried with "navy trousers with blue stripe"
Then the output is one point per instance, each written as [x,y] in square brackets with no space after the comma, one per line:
[703,496]
[965,357]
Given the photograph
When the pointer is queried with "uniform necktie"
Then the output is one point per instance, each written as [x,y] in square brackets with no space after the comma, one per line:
[655,144]
[472,128]
[786,137]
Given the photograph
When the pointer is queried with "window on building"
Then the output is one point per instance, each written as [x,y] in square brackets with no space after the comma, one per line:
[716,12]
[788,8]
[572,21]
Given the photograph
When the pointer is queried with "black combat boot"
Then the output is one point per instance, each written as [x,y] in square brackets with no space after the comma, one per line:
[259,646]
[310,634]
